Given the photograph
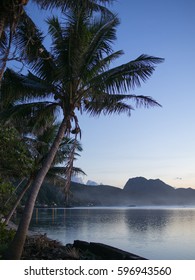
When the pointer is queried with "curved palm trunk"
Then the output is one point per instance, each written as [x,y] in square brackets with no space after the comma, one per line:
[7,51]
[20,183]
[17,245]
[18,201]
[2,64]
[69,168]
[2,25]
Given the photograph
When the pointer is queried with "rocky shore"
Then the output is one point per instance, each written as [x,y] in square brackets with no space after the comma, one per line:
[40,247]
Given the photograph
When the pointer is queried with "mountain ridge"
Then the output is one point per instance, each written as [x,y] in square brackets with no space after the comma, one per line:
[137,191]
[146,183]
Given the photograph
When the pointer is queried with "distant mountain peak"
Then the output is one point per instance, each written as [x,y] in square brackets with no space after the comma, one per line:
[143,184]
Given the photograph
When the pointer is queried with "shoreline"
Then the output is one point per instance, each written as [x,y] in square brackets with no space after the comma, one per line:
[49,249]
[40,247]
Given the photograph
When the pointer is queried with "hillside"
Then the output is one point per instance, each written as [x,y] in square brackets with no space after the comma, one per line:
[149,191]
[137,191]
[156,192]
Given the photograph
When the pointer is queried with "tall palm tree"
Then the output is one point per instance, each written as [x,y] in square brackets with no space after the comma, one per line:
[78,77]
[32,138]
[39,147]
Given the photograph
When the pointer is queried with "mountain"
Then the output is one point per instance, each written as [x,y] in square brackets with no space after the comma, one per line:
[141,184]
[149,191]
[156,192]
[101,195]
[137,191]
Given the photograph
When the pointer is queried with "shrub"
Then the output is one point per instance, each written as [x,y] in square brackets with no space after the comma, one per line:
[6,236]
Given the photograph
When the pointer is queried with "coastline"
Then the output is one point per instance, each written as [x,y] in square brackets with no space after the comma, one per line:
[40,247]
[43,248]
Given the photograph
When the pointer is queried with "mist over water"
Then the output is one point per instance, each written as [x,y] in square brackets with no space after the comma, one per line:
[152,232]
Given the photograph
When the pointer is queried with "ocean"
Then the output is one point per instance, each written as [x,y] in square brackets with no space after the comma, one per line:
[152,232]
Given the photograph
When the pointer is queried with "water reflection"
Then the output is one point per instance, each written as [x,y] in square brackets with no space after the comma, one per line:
[152,233]
[146,219]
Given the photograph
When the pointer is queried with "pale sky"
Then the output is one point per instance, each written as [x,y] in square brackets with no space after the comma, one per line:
[156,142]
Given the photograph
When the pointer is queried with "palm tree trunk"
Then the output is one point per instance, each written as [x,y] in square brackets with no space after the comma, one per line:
[18,201]
[69,168]
[17,245]
[7,52]
[2,25]
[20,183]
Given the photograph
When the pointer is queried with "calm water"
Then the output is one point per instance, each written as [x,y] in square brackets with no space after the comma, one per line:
[154,233]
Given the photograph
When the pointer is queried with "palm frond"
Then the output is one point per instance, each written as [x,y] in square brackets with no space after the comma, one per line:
[3,43]
[69,142]
[99,48]
[68,147]
[17,87]
[60,47]
[48,135]
[107,105]
[32,116]
[29,41]
[104,33]
[143,101]
[117,104]
[127,76]
[90,5]
[60,170]
[96,67]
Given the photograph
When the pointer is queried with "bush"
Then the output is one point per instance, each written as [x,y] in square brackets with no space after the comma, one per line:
[6,190]
[6,236]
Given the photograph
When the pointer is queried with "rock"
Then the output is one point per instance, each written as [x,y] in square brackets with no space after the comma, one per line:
[104,252]
[43,248]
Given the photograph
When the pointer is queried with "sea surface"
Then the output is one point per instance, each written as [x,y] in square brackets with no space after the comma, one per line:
[151,232]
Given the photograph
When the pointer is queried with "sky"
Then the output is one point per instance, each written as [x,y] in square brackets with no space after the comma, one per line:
[158,142]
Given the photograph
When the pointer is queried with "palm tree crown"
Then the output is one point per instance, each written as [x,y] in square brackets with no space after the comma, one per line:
[76,73]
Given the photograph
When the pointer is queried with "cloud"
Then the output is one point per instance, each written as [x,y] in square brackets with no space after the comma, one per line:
[91,183]
[77,179]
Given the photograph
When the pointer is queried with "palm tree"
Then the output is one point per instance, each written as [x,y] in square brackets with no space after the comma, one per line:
[78,77]
[39,147]
[28,141]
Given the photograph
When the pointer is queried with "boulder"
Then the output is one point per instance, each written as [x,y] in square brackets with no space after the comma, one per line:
[104,252]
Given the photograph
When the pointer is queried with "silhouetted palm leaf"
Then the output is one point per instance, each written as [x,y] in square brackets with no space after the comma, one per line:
[92,5]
